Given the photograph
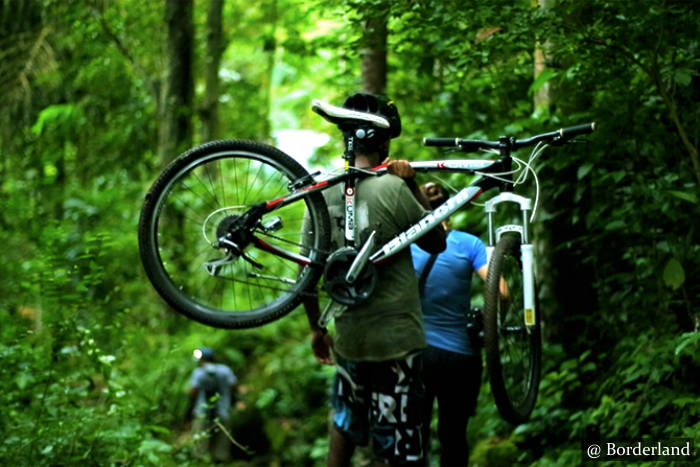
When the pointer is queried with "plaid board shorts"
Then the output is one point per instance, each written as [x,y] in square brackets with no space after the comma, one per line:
[381,403]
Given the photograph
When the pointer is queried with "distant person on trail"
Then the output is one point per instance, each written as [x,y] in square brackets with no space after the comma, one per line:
[212,389]
[452,360]
[378,387]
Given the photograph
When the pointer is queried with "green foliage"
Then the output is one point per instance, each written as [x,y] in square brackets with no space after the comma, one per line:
[63,394]
[642,388]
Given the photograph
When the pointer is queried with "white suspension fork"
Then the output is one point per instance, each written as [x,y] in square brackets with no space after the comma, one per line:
[528,283]
[526,248]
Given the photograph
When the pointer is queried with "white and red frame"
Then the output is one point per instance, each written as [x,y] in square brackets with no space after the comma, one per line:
[413,233]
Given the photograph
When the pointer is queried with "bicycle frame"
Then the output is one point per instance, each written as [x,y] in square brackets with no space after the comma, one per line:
[413,233]
[430,220]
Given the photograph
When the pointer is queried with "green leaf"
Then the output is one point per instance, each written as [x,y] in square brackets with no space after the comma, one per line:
[583,170]
[58,117]
[541,80]
[23,379]
[158,429]
[618,175]
[674,275]
[683,77]
[689,338]
[615,225]
[686,196]
[683,401]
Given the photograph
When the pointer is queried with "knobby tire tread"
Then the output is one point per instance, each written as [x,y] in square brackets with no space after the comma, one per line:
[513,412]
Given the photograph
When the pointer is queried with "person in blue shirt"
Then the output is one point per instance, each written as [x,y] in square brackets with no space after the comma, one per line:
[451,362]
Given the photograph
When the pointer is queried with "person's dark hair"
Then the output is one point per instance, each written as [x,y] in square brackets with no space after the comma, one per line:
[375,140]
[436,194]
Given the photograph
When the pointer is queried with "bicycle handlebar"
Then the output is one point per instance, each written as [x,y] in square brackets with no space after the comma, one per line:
[470,145]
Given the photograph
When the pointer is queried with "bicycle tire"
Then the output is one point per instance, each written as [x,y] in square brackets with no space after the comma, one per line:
[513,353]
[182,217]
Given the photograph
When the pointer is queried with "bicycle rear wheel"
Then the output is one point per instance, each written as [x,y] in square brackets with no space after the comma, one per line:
[513,351]
[199,199]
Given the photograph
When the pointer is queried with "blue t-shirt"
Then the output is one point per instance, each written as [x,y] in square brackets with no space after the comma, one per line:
[447,292]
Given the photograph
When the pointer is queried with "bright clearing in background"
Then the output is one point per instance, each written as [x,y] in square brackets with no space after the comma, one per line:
[300,144]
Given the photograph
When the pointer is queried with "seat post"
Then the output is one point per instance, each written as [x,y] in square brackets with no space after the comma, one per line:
[349,154]
[349,190]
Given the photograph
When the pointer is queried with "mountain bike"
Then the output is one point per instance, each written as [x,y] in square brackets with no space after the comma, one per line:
[235,234]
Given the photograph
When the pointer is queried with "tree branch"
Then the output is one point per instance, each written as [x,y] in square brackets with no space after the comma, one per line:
[653,73]
[124,51]
[675,118]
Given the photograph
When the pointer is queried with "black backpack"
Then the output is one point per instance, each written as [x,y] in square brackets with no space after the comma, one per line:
[210,386]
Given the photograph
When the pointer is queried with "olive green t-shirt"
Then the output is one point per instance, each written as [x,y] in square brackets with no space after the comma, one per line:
[389,324]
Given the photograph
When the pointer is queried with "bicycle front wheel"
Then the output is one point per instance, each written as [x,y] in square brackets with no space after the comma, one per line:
[513,350]
[202,197]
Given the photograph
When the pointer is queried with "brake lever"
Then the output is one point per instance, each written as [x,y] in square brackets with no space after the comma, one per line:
[561,142]
[558,141]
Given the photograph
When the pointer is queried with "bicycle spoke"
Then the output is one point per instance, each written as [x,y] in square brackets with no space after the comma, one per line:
[208,191]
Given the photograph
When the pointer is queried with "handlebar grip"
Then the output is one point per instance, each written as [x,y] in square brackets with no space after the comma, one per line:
[441,142]
[572,131]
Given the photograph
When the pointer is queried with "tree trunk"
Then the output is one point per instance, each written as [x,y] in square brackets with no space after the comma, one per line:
[209,111]
[374,54]
[270,48]
[566,280]
[542,98]
[175,133]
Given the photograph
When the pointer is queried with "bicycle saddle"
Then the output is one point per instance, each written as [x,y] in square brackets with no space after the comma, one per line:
[342,116]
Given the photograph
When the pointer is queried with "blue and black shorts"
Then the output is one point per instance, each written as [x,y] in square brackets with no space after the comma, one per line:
[381,404]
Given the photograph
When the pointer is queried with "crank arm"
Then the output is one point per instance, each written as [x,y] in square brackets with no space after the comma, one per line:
[361,259]
[331,311]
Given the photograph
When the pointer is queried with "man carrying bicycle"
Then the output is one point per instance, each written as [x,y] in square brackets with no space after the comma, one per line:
[378,388]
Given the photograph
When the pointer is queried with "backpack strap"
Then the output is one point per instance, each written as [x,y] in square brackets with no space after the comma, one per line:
[424,273]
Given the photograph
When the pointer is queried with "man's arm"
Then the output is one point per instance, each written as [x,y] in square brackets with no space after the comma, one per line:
[321,341]
[434,240]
